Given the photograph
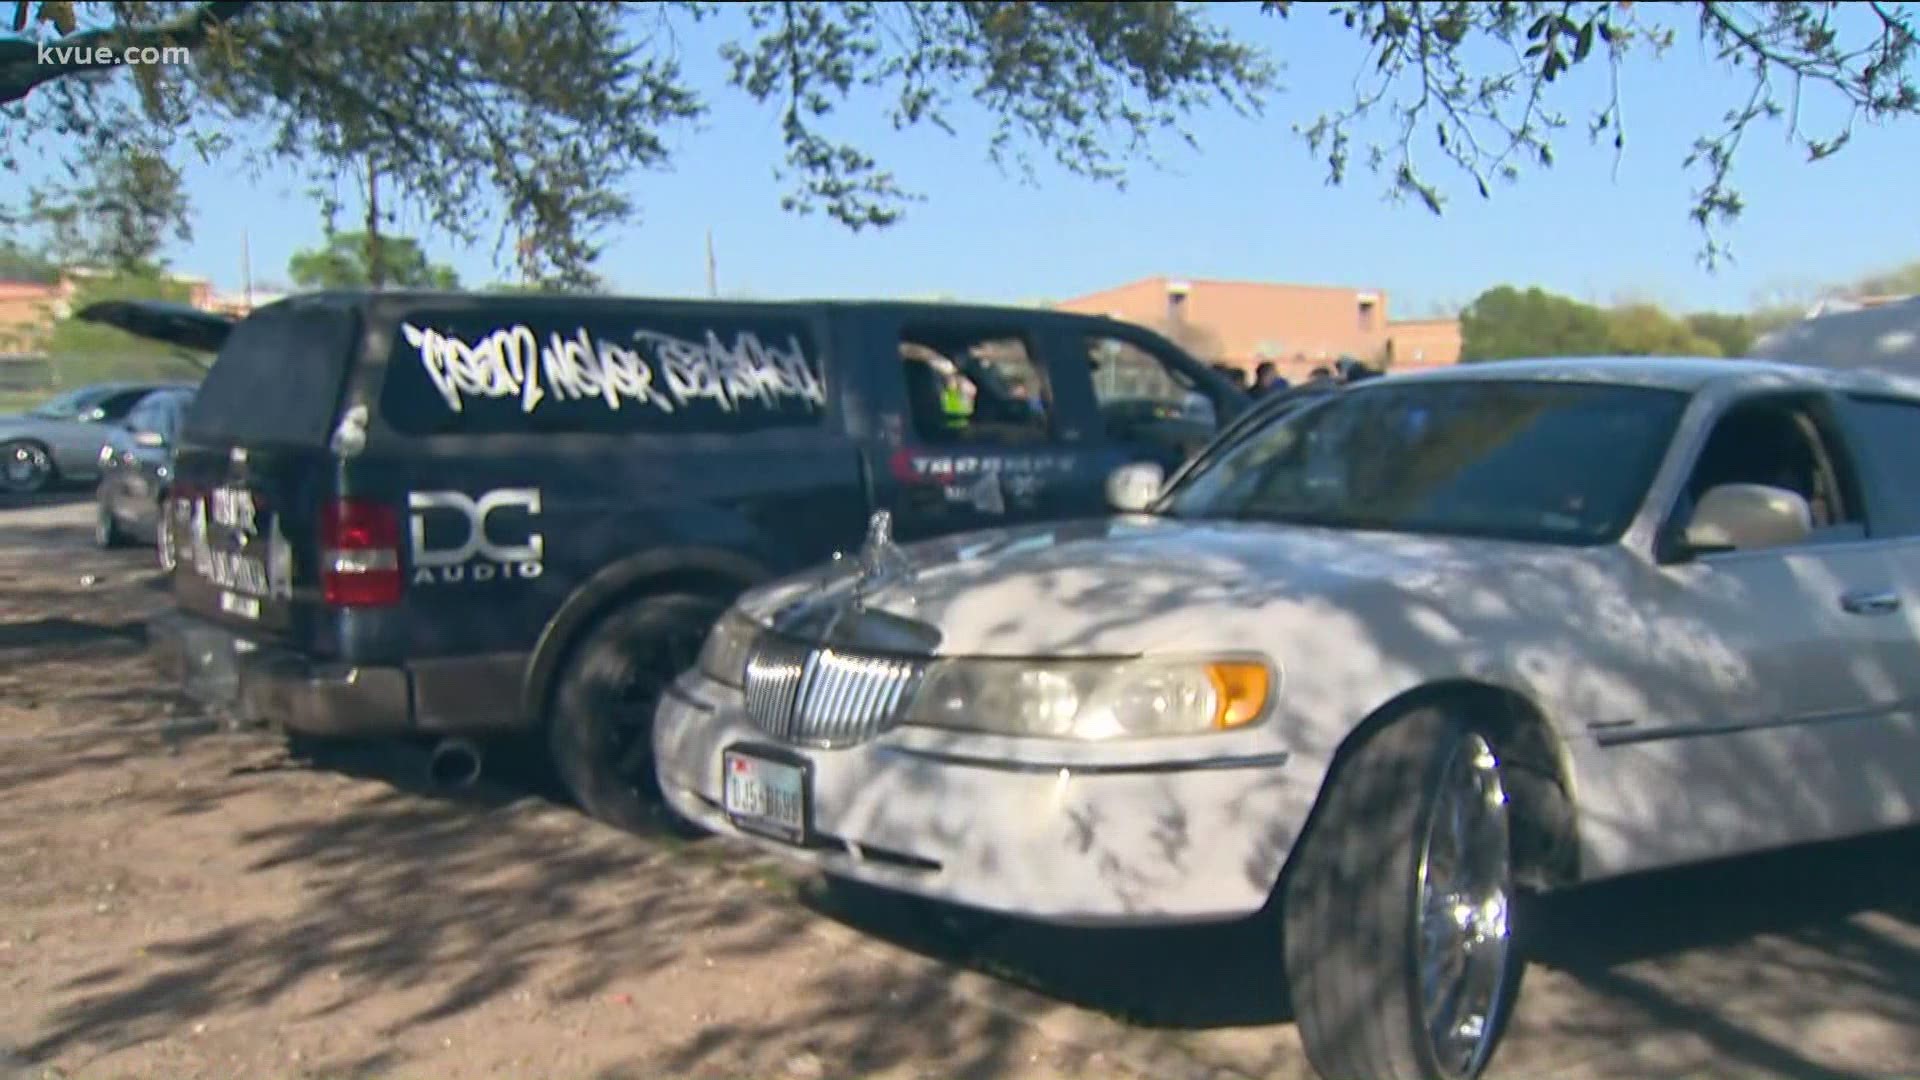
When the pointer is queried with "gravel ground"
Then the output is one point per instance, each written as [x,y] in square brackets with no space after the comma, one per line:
[182,900]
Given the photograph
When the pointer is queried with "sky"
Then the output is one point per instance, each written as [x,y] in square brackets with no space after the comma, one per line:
[1250,203]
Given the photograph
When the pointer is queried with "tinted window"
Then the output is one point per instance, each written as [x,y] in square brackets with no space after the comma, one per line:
[159,411]
[277,380]
[116,406]
[1887,437]
[1556,462]
[72,403]
[1141,397]
[1779,441]
[974,386]
[604,370]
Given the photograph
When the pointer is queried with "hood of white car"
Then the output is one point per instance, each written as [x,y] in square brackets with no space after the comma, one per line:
[1134,585]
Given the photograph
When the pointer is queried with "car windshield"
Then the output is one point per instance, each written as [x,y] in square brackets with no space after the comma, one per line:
[1560,462]
[70,404]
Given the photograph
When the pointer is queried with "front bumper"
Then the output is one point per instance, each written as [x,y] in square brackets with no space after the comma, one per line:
[1185,838]
[283,688]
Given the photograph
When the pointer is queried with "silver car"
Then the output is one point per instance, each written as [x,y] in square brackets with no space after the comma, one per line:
[62,439]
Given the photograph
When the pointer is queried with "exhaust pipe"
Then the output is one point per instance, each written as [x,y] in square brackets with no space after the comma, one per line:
[454,764]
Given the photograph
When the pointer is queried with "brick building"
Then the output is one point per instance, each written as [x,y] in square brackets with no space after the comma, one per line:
[1297,327]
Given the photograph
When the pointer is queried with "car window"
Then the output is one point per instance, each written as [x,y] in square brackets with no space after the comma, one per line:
[277,380]
[1137,391]
[70,404]
[115,407]
[146,415]
[158,412]
[967,386]
[172,411]
[614,368]
[1887,435]
[1547,461]
[1781,442]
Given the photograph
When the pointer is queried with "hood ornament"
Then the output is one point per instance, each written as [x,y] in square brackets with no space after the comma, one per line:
[882,563]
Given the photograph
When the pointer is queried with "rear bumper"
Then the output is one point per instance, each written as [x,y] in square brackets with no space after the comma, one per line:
[281,688]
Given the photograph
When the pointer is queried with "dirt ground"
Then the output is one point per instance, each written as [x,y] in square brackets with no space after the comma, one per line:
[180,900]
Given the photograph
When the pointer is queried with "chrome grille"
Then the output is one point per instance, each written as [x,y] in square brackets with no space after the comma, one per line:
[811,695]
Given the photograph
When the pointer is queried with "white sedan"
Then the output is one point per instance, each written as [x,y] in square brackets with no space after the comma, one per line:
[1371,667]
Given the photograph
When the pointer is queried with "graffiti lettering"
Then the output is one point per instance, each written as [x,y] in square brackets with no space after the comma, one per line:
[749,371]
[513,363]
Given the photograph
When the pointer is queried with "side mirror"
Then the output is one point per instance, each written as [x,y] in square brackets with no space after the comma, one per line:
[1740,517]
[152,439]
[1133,488]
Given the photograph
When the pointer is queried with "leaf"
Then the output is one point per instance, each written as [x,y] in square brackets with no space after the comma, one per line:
[59,13]
[1584,43]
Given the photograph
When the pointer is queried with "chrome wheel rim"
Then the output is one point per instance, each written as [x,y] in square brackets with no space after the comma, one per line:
[1462,930]
[165,540]
[24,466]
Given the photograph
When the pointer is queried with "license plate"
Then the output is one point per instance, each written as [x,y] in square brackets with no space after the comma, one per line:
[246,607]
[765,796]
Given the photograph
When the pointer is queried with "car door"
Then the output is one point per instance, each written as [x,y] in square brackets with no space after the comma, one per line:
[1763,674]
[1885,434]
[974,425]
[151,426]
[77,451]
[1150,403]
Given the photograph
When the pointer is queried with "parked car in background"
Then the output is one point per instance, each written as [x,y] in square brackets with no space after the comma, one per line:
[467,515]
[61,439]
[1374,665]
[136,474]
[1884,337]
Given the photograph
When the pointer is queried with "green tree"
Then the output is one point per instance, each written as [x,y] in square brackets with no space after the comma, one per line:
[1504,322]
[19,262]
[1900,281]
[347,262]
[120,213]
[532,114]
[1732,335]
[1646,330]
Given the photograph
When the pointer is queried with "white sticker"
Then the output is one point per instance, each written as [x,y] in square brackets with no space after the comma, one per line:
[246,607]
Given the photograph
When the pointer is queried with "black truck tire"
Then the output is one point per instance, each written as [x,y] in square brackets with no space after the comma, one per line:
[107,530]
[1358,916]
[601,727]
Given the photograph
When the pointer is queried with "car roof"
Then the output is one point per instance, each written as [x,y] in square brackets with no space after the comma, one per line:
[1688,374]
[933,309]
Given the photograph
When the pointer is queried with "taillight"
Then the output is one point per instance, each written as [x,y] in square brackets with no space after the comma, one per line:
[360,554]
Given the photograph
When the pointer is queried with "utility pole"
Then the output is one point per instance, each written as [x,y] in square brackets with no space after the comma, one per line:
[376,265]
[713,272]
[246,270]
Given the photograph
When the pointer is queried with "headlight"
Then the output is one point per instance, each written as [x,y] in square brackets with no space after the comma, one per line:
[1092,699]
[724,656]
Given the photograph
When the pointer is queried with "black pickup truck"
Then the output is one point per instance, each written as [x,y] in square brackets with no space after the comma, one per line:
[467,515]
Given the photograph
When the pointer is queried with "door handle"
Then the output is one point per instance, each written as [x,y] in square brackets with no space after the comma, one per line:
[1870,602]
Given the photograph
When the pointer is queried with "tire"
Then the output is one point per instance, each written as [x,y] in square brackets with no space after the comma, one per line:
[1356,942]
[164,543]
[601,727]
[25,467]
[107,530]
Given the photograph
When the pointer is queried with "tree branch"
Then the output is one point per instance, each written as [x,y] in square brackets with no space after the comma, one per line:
[21,69]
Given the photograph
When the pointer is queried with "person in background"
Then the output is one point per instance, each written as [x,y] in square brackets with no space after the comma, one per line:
[1234,373]
[1267,379]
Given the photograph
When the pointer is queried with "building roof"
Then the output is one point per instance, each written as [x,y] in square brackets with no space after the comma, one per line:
[1238,283]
